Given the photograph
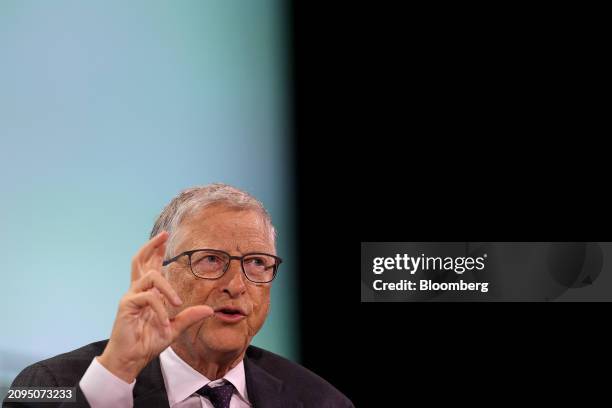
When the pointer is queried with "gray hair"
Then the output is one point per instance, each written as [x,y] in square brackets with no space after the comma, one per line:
[197,198]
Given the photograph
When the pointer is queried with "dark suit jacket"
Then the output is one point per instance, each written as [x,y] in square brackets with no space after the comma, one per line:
[272,381]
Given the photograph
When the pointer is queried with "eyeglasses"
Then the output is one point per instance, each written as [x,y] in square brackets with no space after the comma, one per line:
[212,264]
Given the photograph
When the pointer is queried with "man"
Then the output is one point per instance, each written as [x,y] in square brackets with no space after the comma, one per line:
[200,292]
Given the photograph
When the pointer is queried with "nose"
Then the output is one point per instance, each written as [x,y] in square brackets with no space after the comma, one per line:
[233,281]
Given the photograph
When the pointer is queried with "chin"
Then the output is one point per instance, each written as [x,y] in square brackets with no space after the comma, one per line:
[225,340]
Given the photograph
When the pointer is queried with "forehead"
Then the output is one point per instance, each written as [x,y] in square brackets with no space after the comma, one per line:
[229,229]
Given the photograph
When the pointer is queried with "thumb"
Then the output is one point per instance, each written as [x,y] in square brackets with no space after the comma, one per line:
[189,317]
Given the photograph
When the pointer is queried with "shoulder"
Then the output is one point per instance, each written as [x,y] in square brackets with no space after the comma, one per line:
[62,370]
[297,380]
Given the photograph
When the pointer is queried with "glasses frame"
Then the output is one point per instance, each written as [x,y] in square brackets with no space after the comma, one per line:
[230,258]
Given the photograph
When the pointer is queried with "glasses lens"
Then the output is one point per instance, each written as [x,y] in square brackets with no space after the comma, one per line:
[259,268]
[208,264]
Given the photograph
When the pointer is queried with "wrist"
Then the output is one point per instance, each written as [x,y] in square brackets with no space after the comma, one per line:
[126,371]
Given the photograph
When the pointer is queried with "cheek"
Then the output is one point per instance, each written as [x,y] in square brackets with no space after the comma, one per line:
[189,292]
[179,285]
[261,308]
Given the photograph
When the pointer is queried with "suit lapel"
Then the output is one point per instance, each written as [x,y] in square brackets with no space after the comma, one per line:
[150,390]
[263,388]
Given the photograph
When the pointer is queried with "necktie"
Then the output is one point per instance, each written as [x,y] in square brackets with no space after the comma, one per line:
[219,396]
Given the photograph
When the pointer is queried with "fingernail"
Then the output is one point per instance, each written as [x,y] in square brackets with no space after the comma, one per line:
[178,300]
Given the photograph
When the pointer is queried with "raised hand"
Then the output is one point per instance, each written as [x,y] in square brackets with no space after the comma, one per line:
[142,328]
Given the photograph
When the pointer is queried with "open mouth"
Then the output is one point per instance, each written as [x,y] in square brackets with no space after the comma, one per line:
[229,314]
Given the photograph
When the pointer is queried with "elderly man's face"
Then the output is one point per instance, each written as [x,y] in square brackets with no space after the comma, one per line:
[236,232]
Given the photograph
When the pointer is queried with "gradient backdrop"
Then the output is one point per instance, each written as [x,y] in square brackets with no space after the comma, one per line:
[107,110]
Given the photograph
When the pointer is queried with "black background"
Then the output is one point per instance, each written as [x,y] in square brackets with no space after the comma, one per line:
[448,124]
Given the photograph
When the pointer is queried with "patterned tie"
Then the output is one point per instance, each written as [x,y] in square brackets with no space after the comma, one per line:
[219,396]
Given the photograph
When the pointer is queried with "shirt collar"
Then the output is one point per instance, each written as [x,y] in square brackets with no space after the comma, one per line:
[182,380]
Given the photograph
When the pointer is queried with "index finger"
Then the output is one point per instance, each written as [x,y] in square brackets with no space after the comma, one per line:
[146,252]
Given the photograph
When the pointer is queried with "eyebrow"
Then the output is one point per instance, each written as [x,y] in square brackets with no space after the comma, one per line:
[265,251]
[194,246]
